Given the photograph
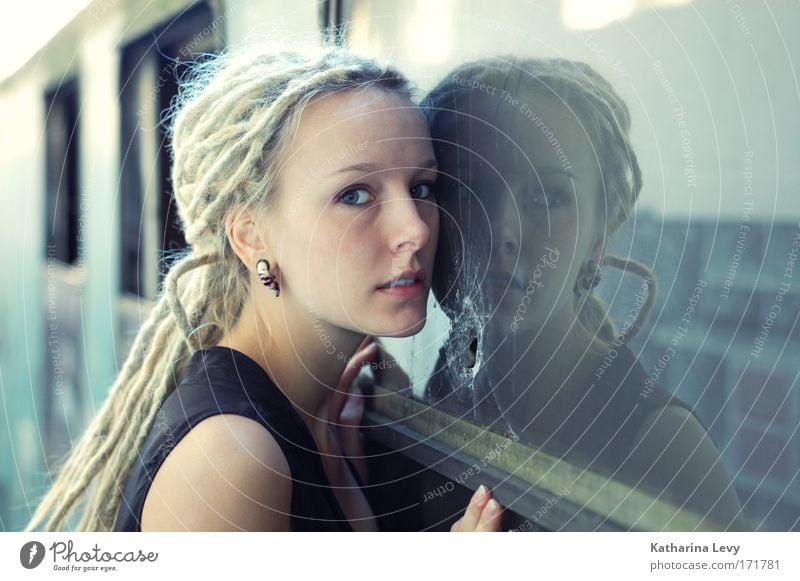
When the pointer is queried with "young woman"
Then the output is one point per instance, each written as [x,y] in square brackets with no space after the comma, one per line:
[304,184]
[538,171]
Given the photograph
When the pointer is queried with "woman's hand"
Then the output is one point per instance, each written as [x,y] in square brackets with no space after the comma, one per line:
[347,407]
[483,514]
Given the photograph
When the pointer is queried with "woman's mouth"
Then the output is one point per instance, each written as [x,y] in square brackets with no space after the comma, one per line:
[500,284]
[406,285]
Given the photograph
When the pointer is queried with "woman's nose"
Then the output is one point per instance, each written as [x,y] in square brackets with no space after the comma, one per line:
[410,229]
[506,224]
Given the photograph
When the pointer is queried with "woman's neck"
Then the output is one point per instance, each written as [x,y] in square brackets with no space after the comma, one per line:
[305,360]
[551,364]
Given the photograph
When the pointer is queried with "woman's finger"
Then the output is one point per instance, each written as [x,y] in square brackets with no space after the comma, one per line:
[365,353]
[490,517]
[353,367]
[353,408]
[349,375]
[472,515]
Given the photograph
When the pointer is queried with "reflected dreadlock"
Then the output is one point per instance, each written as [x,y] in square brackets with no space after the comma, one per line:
[593,100]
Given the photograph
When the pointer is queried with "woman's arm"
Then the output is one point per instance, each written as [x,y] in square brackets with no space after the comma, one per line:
[227,474]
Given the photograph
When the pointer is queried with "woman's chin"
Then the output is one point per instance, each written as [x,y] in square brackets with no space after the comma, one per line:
[411,328]
[510,324]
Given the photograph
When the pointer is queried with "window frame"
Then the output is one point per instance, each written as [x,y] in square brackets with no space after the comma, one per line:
[524,477]
[150,235]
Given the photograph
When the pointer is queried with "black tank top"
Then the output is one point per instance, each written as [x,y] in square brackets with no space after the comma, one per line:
[600,429]
[221,380]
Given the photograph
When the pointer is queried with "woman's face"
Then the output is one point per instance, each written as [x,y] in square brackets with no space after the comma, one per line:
[355,212]
[529,209]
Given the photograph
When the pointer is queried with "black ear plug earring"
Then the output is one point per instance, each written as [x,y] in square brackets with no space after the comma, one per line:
[262,268]
[591,278]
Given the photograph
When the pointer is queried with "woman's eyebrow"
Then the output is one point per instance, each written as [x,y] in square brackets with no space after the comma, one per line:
[372,168]
[359,167]
[550,170]
[429,164]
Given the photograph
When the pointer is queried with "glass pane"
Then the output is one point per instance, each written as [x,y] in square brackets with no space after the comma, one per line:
[614,278]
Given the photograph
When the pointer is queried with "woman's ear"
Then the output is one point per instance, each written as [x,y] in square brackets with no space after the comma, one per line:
[245,235]
[598,249]
[590,270]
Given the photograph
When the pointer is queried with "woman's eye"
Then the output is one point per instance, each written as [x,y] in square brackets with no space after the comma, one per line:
[548,199]
[354,197]
[422,191]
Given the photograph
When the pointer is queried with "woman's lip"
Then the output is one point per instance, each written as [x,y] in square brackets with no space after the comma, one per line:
[406,292]
[415,275]
[502,282]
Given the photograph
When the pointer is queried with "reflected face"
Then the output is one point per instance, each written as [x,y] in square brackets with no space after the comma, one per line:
[355,224]
[529,207]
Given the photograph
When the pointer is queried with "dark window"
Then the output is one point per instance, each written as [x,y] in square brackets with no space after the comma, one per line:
[63,200]
[330,19]
[151,66]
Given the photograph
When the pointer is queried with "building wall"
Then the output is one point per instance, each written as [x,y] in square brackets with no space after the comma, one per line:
[63,344]
[68,328]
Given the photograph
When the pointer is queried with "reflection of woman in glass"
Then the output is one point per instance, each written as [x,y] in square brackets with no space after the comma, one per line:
[309,173]
[537,172]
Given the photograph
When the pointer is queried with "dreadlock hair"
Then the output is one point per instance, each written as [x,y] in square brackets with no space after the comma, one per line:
[233,116]
[592,100]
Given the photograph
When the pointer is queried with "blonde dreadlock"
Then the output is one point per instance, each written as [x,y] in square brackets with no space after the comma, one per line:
[229,124]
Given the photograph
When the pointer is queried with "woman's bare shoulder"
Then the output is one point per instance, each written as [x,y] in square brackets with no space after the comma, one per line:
[674,451]
[228,473]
